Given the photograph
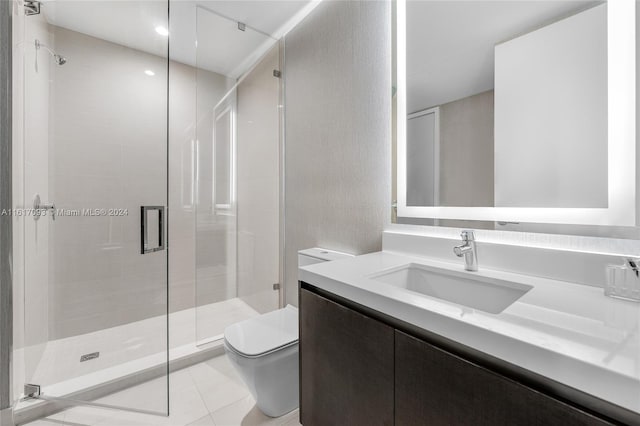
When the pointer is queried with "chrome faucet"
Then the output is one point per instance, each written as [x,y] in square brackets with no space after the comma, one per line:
[468,250]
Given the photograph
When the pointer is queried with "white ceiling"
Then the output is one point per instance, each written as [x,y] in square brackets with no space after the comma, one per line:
[264,15]
[450,43]
[213,24]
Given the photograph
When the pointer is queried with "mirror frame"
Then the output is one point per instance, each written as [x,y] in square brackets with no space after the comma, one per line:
[621,210]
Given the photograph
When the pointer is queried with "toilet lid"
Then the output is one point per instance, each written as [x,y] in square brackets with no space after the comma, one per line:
[264,333]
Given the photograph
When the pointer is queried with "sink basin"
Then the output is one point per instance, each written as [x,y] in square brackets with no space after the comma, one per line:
[473,291]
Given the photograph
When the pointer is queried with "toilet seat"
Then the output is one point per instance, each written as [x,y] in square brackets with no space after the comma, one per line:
[265,334]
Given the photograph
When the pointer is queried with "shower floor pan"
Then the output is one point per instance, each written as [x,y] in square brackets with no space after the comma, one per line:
[61,375]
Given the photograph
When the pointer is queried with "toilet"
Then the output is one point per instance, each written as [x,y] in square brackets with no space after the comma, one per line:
[264,349]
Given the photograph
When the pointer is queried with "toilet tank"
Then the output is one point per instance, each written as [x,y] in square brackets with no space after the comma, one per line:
[317,255]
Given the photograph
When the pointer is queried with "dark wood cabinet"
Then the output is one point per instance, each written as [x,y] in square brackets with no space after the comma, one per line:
[434,387]
[346,366]
[360,367]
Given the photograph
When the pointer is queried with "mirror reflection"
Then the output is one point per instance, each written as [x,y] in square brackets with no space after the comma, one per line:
[506,104]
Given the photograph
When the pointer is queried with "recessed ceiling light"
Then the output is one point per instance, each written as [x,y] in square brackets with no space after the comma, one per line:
[149,73]
[162,30]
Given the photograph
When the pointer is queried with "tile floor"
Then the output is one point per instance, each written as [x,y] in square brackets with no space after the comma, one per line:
[206,394]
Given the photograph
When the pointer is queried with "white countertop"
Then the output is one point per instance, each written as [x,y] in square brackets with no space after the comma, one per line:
[567,332]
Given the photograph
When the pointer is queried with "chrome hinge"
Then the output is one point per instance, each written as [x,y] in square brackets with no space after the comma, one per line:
[242,26]
[31,7]
[276,286]
[277,73]
[31,391]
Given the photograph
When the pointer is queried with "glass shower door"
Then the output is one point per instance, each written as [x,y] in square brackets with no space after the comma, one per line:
[95,190]
[237,171]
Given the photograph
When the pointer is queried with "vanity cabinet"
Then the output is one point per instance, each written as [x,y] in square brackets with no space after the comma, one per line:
[357,369]
[434,387]
[346,365]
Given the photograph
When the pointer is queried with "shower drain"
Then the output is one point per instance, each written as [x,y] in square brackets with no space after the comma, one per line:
[87,357]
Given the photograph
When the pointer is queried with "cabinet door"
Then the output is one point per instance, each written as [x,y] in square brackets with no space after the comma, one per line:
[435,388]
[346,365]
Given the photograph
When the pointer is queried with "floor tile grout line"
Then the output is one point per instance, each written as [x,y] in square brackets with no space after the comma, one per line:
[195,386]
[197,420]
[227,379]
[202,398]
[229,405]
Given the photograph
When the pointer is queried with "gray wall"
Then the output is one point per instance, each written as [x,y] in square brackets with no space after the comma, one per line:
[338,131]
[466,151]
[466,159]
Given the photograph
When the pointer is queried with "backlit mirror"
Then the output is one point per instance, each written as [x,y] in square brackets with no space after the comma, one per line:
[515,111]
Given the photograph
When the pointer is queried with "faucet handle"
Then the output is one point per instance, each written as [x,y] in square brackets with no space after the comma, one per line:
[41,209]
[633,264]
[467,235]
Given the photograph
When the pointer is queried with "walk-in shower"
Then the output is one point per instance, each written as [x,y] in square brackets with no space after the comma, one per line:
[160,154]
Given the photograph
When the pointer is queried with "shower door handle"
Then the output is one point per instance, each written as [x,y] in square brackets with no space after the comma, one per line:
[151,229]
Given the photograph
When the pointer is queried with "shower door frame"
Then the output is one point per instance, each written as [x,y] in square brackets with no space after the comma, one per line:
[6,222]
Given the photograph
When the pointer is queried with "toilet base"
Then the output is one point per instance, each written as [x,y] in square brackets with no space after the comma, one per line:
[272,378]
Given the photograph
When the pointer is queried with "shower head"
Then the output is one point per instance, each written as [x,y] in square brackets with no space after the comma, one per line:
[59,59]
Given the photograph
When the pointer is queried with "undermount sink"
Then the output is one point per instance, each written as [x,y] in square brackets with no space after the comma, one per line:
[473,291]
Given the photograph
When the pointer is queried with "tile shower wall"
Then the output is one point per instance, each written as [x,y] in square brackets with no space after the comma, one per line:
[338,131]
[258,184]
[185,255]
[95,281]
[100,137]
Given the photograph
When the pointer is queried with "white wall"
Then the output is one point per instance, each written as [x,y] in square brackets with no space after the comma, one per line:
[551,115]
[338,131]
